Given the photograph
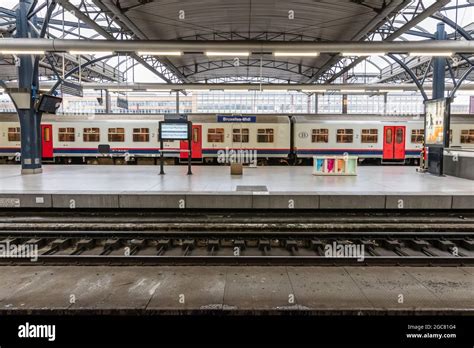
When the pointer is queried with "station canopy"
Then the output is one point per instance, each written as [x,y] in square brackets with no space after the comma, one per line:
[267,20]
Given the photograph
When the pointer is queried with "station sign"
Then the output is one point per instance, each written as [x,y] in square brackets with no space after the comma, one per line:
[174,130]
[242,119]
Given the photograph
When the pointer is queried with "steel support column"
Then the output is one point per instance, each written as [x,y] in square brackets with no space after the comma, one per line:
[439,67]
[30,120]
[108,102]
[435,152]
[177,102]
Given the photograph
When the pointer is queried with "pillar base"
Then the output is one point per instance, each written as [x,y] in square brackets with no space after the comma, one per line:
[31,171]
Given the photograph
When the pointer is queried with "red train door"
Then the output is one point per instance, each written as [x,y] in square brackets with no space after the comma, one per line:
[399,144]
[47,140]
[196,143]
[394,142]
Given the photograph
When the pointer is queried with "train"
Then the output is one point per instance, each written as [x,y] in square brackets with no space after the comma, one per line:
[275,139]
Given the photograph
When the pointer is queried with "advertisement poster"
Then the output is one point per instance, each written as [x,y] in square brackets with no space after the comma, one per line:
[435,121]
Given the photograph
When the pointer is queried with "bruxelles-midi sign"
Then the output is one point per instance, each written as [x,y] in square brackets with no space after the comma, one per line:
[222,118]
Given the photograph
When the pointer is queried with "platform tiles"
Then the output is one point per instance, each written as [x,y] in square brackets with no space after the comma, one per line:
[180,289]
[212,187]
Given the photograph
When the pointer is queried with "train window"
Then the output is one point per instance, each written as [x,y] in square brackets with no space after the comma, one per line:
[265,135]
[195,135]
[14,134]
[345,135]
[240,135]
[467,136]
[388,138]
[215,135]
[141,135]
[66,134]
[369,136]
[320,135]
[417,136]
[117,134]
[91,135]
[399,138]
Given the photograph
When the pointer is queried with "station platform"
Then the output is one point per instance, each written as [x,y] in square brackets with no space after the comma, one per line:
[39,289]
[212,187]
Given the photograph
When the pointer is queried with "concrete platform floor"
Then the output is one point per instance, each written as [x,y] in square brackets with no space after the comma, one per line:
[187,289]
[122,179]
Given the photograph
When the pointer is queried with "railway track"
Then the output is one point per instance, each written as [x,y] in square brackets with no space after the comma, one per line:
[213,238]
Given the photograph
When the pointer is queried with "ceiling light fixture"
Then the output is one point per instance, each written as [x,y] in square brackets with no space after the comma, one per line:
[227,54]
[160,53]
[15,52]
[296,54]
[78,53]
[430,54]
[362,54]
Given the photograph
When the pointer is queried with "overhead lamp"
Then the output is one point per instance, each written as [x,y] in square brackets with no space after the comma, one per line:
[158,90]
[352,90]
[17,53]
[362,54]
[107,53]
[198,90]
[271,90]
[120,89]
[160,53]
[227,54]
[313,90]
[236,90]
[295,54]
[390,90]
[430,54]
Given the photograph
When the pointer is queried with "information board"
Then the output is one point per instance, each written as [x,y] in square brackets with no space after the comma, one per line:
[436,118]
[174,131]
[49,103]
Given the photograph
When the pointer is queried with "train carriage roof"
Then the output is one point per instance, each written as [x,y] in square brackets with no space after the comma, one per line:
[371,118]
[212,118]
[201,118]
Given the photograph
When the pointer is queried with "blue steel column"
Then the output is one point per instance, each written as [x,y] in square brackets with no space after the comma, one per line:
[30,120]
[435,153]
[439,66]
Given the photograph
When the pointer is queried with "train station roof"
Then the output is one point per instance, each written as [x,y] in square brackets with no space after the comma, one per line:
[247,21]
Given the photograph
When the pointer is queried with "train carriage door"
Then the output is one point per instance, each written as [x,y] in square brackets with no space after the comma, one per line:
[399,143]
[196,143]
[47,140]
[388,142]
[394,142]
